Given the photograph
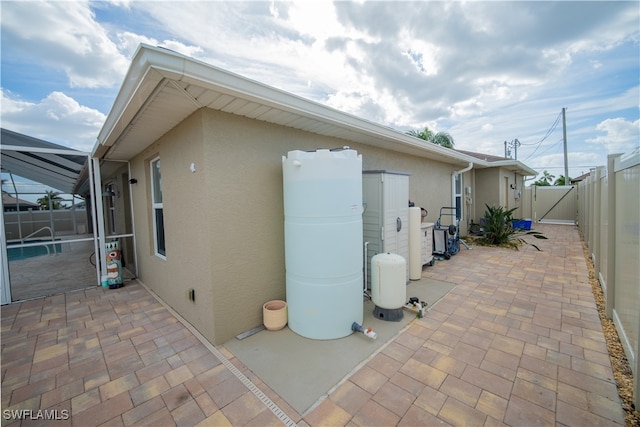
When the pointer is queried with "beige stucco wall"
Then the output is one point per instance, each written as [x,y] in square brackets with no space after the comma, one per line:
[188,261]
[493,187]
[224,223]
[487,190]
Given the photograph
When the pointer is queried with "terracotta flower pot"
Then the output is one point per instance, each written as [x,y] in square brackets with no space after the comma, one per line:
[274,315]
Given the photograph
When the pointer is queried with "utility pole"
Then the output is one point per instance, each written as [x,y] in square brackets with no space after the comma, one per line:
[564,137]
[516,144]
[513,144]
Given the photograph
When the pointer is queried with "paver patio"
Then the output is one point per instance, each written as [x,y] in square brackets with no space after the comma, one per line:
[518,341]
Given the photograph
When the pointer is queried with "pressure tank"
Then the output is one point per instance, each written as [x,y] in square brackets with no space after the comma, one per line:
[388,280]
[323,241]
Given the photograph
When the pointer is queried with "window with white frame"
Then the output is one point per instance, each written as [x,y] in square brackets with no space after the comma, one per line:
[158,213]
[457,196]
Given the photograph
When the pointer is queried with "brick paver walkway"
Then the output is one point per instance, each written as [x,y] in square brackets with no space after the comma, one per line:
[517,342]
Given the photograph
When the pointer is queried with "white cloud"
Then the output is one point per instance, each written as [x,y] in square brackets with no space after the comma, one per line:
[128,42]
[483,71]
[56,118]
[621,136]
[64,35]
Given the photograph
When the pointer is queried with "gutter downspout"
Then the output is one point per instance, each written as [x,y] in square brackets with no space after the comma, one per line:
[453,186]
[456,173]
[467,169]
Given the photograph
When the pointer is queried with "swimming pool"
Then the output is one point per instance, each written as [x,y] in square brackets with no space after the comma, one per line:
[18,254]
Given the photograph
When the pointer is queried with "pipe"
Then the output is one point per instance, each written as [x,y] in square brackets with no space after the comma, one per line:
[368,332]
[459,215]
[366,263]
[467,169]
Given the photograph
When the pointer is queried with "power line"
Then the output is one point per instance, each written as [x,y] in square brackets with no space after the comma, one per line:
[549,132]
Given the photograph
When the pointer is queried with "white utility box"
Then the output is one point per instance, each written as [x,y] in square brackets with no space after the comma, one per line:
[386,215]
[427,243]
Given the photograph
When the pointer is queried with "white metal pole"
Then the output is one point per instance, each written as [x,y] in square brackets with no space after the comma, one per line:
[564,137]
[133,220]
[15,190]
[98,229]
[5,285]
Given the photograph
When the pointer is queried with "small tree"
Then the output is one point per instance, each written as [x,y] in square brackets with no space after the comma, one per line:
[51,200]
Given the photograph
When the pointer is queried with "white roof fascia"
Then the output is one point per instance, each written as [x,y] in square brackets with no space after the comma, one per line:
[151,65]
[199,73]
[521,167]
[140,81]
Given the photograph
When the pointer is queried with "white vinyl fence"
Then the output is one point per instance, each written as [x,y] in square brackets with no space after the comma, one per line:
[551,204]
[609,217]
[19,225]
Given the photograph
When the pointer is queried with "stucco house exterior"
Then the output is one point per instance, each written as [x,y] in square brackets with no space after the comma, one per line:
[500,184]
[195,153]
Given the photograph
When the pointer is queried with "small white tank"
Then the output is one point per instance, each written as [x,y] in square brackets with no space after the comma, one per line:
[388,280]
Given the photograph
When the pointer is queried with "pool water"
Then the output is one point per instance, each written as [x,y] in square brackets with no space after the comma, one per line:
[18,254]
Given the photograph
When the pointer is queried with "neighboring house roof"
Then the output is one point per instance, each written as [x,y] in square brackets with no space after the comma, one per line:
[493,161]
[8,200]
[580,178]
[163,87]
[41,161]
[481,156]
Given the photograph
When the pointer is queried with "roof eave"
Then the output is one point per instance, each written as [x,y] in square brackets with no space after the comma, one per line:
[514,165]
[152,68]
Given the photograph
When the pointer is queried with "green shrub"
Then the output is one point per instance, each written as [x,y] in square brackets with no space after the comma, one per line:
[499,231]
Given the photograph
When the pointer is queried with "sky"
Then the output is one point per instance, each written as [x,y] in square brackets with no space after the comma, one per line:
[486,72]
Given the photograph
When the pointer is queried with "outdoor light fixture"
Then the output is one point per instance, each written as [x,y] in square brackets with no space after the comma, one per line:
[111,190]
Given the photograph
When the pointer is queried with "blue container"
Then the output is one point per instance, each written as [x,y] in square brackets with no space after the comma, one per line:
[522,224]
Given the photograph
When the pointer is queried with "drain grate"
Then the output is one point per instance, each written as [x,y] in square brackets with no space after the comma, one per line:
[251,386]
[230,366]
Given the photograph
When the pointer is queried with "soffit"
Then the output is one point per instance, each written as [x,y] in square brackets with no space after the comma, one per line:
[174,101]
[163,88]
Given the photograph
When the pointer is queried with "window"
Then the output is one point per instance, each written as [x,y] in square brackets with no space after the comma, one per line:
[457,195]
[156,205]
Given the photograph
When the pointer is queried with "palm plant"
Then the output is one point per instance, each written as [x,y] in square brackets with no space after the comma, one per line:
[441,138]
[561,180]
[545,179]
[51,200]
[499,231]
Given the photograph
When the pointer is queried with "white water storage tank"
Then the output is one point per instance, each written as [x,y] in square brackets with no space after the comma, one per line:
[323,241]
[388,280]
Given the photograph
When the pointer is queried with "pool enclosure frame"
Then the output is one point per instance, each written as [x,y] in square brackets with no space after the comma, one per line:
[26,161]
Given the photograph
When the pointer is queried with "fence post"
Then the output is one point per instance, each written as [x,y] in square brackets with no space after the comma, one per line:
[611,236]
[597,195]
[592,206]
